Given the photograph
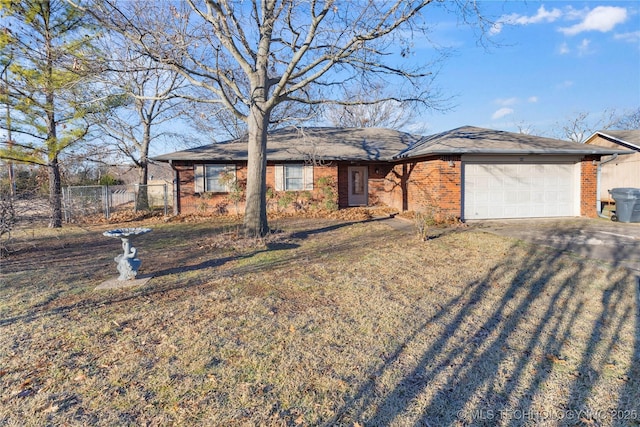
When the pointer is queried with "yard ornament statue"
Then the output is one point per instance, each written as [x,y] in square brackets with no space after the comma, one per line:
[128,263]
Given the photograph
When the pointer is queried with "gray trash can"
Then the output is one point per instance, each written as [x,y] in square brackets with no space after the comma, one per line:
[627,204]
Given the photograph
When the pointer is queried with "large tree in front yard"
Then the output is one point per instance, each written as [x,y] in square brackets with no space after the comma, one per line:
[251,57]
[48,44]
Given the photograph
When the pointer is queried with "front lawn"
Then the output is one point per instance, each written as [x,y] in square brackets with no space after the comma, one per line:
[324,323]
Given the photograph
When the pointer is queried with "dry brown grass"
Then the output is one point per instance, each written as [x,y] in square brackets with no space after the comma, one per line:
[324,323]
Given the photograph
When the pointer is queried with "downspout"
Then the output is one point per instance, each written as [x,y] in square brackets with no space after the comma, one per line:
[598,199]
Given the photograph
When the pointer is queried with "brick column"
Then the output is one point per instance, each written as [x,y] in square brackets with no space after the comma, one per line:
[588,186]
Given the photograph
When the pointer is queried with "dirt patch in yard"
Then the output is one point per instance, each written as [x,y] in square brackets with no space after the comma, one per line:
[326,322]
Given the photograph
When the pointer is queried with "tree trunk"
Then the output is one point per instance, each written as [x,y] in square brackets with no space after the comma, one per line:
[142,202]
[255,217]
[55,181]
[55,194]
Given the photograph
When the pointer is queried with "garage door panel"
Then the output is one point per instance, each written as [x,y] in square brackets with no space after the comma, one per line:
[524,197]
[512,197]
[482,183]
[519,190]
[551,197]
[483,197]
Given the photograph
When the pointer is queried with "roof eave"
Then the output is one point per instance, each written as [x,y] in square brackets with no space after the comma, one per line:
[615,140]
[514,152]
[165,158]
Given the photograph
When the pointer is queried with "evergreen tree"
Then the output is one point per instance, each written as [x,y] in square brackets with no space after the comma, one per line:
[47,44]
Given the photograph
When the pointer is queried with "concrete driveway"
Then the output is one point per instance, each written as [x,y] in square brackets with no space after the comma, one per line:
[614,242]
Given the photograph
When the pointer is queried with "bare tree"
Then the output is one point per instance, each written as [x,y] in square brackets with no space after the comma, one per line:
[629,121]
[525,127]
[252,57]
[581,126]
[216,122]
[368,112]
[144,98]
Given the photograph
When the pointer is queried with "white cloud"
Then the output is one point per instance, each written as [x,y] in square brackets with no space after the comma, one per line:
[572,14]
[565,84]
[601,18]
[542,15]
[532,99]
[506,101]
[583,48]
[564,49]
[502,112]
[632,37]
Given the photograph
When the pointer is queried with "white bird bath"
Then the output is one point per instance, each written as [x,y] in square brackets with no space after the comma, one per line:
[128,263]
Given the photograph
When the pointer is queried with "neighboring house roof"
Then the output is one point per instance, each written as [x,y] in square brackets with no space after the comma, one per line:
[321,143]
[474,140]
[358,144]
[627,138]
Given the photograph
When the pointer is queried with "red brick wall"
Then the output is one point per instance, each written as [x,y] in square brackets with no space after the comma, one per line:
[190,202]
[343,186]
[382,190]
[435,186]
[325,184]
[588,186]
[377,184]
[414,186]
[431,185]
[395,186]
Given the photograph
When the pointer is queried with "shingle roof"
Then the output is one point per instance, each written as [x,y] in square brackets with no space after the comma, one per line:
[359,144]
[321,143]
[626,138]
[474,140]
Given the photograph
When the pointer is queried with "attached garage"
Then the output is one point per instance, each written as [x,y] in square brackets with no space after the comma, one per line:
[520,190]
[474,173]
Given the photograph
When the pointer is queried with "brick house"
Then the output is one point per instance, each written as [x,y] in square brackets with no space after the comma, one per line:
[468,172]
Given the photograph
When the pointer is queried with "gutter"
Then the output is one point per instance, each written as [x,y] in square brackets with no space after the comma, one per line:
[497,151]
[618,141]
[598,198]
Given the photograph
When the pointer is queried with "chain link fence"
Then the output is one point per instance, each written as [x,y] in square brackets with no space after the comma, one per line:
[90,200]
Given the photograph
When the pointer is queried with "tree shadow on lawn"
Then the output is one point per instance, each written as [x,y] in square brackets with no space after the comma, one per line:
[218,262]
[296,238]
[543,351]
[496,346]
[207,270]
[630,397]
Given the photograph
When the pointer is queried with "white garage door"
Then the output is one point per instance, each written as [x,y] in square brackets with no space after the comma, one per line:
[519,190]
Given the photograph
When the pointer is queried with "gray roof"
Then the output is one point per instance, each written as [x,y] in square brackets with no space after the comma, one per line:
[627,138]
[321,143]
[358,144]
[474,140]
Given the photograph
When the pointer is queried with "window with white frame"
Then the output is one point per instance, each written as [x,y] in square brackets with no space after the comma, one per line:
[213,178]
[293,177]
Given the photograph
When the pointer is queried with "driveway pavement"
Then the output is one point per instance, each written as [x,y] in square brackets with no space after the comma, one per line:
[614,242]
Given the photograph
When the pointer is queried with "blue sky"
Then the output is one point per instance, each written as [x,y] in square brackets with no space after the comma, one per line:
[549,60]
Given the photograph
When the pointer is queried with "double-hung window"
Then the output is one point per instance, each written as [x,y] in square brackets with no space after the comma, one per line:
[214,178]
[294,177]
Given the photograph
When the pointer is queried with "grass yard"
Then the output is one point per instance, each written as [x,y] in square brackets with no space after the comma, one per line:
[327,323]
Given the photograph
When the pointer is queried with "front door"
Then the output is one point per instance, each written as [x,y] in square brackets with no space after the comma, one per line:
[358,186]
